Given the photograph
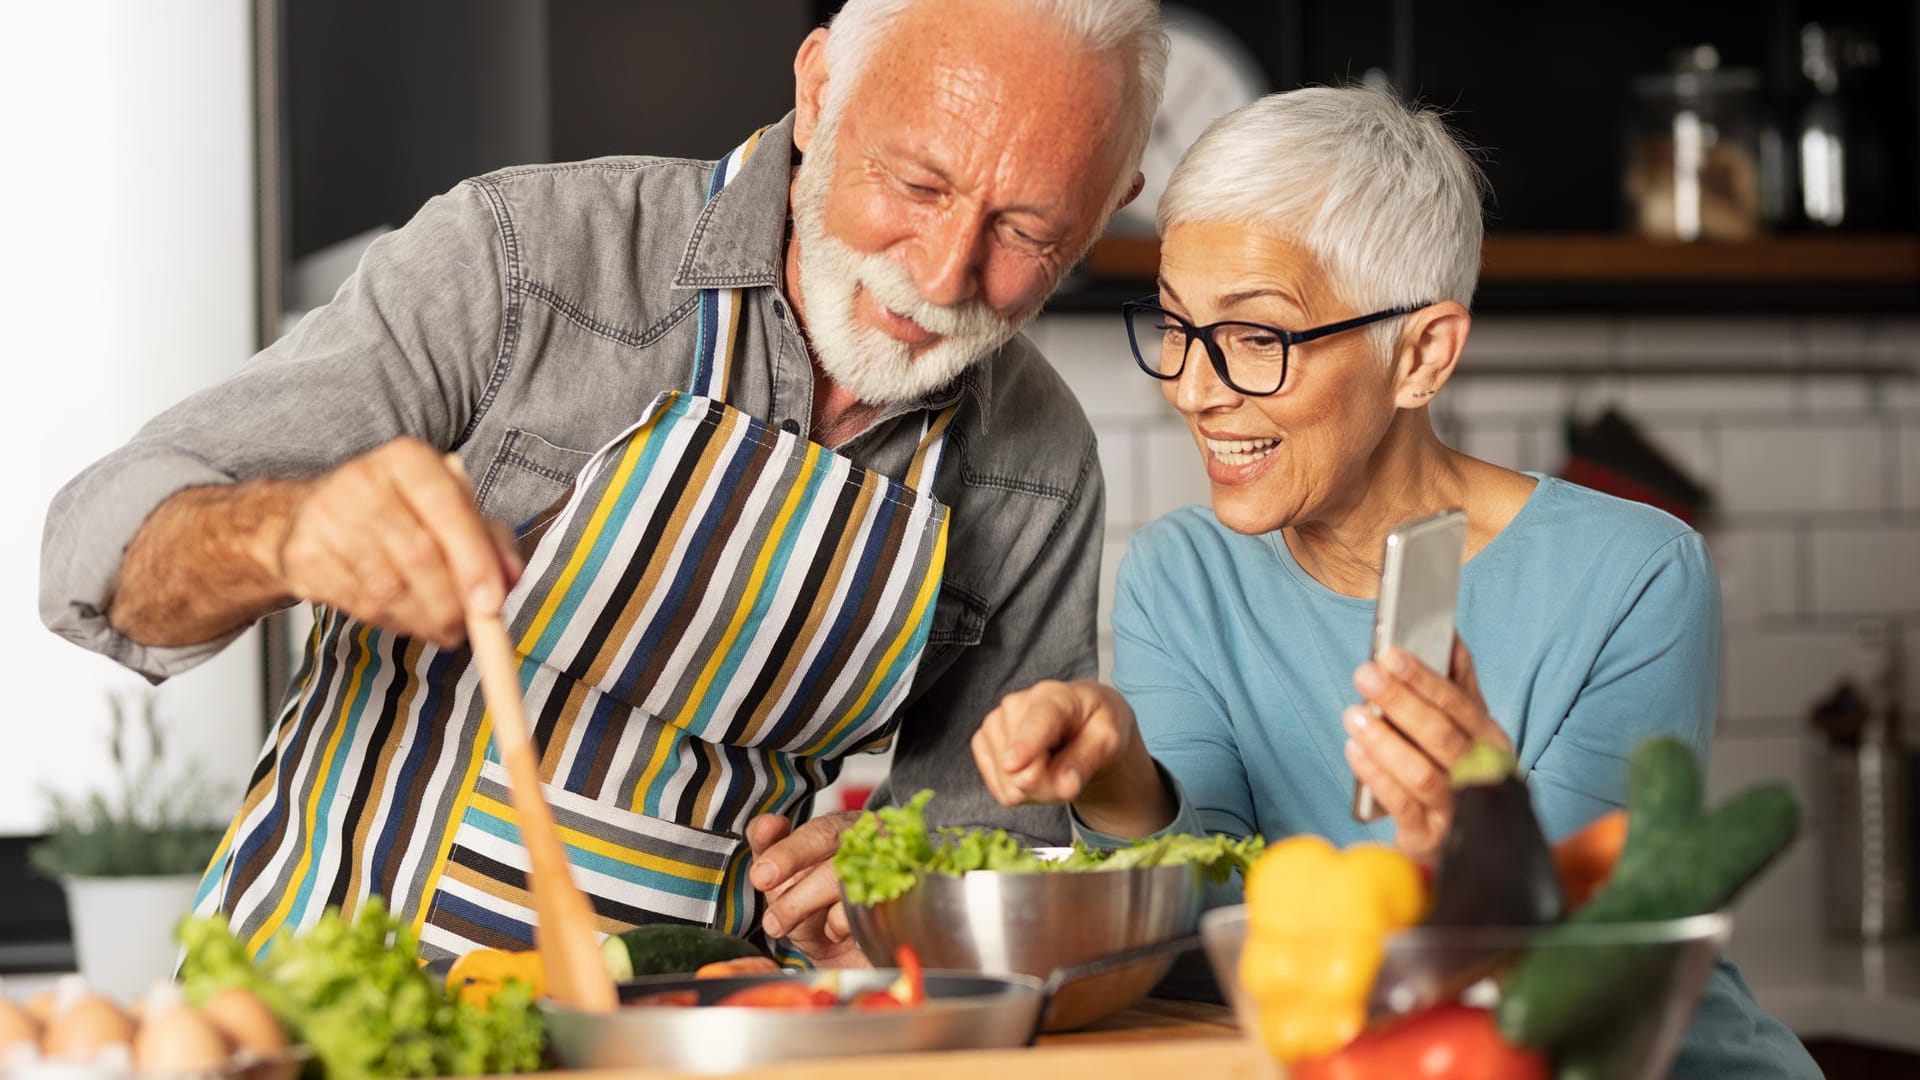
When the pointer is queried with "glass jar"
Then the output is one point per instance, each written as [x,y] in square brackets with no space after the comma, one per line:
[1698,160]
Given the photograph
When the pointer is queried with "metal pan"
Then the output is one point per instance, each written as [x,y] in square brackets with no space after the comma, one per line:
[963,1011]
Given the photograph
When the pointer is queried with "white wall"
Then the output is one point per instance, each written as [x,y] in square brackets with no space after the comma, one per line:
[1817,476]
[128,281]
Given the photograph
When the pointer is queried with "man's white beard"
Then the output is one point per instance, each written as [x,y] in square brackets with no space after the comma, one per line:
[877,368]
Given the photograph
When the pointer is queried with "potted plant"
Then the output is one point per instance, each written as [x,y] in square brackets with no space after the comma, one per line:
[130,858]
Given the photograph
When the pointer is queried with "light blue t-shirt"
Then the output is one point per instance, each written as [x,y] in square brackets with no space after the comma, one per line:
[1594,624]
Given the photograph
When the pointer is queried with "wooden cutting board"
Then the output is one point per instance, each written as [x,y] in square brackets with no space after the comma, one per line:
[1213,1058]
[1152,1040]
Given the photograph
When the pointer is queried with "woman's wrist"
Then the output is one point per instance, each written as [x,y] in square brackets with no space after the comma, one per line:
[1128,799]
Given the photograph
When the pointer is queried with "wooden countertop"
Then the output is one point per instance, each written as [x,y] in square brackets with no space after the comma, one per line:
[1153,1040]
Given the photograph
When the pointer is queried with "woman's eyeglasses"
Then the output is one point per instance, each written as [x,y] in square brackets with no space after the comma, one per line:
[1249,357]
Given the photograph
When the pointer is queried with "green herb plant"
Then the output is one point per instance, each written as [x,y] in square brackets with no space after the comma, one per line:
[884,853]
[151,823]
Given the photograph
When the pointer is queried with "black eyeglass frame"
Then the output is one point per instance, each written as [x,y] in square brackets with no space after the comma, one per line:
[1288,339]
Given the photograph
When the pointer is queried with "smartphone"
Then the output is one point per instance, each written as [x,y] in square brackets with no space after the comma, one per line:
[1419,586]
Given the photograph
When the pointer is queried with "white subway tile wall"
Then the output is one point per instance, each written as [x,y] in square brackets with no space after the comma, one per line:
[1816,478]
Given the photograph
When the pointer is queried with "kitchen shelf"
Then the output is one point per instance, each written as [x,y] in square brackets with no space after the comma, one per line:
[1584,271]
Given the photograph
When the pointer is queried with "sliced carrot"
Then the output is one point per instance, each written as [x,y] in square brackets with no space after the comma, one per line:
[746,965]
[1585,859]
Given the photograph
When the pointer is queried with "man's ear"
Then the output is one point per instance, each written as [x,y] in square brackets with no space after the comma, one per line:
[809,87]
[1429,351]
[1133,192]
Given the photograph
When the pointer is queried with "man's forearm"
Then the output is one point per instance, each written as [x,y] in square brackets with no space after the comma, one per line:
[205,563]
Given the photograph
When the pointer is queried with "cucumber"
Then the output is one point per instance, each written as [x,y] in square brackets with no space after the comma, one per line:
[673,949]
[1664,792]
[1678,867]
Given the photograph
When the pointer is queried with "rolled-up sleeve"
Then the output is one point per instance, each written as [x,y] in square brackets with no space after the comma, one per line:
[407,347]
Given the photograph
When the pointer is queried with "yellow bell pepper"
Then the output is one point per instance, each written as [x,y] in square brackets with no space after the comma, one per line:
[478,975]
[1317,923]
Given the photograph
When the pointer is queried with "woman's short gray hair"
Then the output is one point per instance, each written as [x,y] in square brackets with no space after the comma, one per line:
[1103,25]
[1379,191]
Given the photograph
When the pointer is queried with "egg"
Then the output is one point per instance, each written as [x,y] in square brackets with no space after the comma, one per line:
[83,1025]
[245,1020]
[17,1028]
[175,1038]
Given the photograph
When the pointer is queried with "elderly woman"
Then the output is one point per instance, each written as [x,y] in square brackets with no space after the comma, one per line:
[1319,250]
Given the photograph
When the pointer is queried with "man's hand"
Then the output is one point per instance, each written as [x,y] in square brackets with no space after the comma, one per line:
[1059,742]
[1408,763]
[391,538]
[794,868]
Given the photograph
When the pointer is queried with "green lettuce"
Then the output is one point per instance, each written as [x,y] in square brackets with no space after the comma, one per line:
[885,852]
[356,994]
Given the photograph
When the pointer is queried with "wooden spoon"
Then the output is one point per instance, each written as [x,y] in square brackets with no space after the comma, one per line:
[564,926]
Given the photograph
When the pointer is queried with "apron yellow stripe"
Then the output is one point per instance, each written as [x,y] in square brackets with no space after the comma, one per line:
[476,753]
[935,432]
[574,838]
[328,759]
[929,586]
[768,548]
[595,525]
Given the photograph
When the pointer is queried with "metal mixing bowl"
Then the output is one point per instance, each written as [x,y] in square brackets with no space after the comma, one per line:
[1680,955]
[1035,924]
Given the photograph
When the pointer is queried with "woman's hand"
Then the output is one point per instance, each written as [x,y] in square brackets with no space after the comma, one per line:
[1436,720]
[1058,742]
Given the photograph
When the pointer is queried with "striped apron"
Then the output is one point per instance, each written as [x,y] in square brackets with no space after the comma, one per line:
[717,612]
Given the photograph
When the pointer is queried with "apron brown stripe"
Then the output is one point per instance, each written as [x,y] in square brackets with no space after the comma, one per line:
[659,539]
[366,808]
[819,610]
[426,816]
[738,581]
[798,719]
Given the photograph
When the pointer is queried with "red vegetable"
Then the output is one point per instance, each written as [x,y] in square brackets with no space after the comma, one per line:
[783,994]
[1448,1042]
[911,986]
[676,998]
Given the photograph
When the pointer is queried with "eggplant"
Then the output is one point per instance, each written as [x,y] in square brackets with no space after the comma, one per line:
[1495,869]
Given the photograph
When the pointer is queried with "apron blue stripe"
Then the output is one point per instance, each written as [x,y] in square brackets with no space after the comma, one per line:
[594,728]
[322,830]
[461,908]
[769,588]
[598,863]
[862,572]
[408,768]
[682,585]
[616,522]
[907,659]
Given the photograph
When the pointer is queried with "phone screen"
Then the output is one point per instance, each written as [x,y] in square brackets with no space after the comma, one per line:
[1419,587]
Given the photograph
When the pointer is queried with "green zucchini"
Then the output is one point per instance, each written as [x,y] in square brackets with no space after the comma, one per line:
[671,948]
[1674,866]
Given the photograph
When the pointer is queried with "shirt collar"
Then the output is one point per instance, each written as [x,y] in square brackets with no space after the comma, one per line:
[739,239]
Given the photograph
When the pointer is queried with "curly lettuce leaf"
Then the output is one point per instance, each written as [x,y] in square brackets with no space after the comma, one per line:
[355,992]
[884,853]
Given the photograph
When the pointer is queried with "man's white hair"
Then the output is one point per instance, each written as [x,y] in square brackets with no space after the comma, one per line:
[1102,25]
[1379,191]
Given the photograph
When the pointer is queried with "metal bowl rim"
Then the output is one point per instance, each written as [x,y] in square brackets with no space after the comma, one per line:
[1688,930]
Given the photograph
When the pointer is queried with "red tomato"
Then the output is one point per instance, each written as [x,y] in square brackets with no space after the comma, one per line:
[676,998]
[877,1000]
[785,994]
[911,986]
[1447,1042]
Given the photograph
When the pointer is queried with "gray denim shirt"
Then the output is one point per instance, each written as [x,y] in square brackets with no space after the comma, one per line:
[523,320]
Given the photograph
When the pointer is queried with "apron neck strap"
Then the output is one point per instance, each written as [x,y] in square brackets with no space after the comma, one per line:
[933,443]
[720,308]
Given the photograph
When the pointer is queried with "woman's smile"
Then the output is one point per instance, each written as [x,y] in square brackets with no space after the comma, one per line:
[1236,460]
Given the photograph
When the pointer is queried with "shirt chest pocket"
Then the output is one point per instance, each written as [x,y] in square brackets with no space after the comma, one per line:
[528,477]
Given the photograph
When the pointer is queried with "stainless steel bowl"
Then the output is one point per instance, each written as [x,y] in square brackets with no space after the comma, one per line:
[1038,923]
[1680,954]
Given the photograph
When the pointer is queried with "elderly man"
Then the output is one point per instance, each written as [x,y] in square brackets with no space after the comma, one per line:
[776,482]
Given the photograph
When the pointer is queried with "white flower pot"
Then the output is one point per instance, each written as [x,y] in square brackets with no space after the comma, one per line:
[123,929]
